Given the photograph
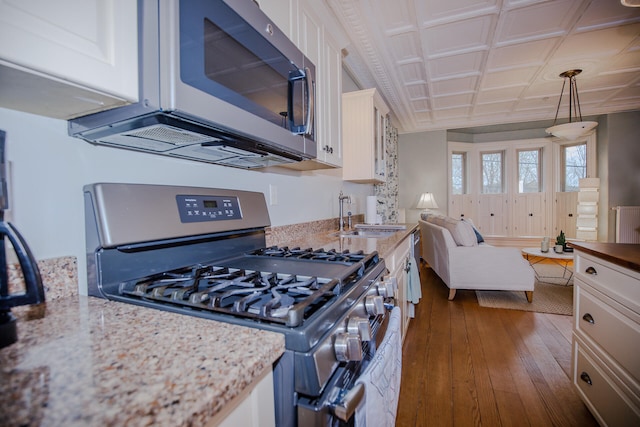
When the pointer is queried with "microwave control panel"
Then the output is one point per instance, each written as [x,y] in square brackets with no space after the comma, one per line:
[208,208]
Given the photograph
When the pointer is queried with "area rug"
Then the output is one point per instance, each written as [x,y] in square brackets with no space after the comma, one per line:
[547,298]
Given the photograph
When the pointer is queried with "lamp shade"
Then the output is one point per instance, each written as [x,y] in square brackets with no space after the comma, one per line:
[427,201]
[571,131]
[574,129]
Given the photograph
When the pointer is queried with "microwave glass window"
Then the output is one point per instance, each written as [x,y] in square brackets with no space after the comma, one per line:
[260,76]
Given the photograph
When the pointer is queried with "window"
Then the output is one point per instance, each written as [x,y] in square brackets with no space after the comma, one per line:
[492,172]
[458,173]
[574,166]
[529,171]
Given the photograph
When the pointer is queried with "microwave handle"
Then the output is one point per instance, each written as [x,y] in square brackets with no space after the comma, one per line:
[301,76]
[310,88]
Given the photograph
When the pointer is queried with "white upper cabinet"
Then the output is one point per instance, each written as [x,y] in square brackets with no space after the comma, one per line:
[363,136]
[68,58]
[284,14]
[311,26]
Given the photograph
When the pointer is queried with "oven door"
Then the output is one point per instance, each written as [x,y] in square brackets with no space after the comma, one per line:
[344,399]
[231,51]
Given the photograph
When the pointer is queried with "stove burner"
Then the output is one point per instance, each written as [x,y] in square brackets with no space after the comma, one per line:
[332,255]
[276,297]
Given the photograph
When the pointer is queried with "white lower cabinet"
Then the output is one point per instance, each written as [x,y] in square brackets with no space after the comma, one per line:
[253,408]
[398,263]
[606,340]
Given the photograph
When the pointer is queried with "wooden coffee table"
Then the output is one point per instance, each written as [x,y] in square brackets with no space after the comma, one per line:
[535,256]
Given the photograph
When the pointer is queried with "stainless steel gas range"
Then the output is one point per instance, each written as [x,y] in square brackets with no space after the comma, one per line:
[202,252]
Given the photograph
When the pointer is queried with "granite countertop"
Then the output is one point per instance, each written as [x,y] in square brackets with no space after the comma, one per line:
[623,254]
[85,361]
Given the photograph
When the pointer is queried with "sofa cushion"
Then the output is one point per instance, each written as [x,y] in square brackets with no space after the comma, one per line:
[461,231]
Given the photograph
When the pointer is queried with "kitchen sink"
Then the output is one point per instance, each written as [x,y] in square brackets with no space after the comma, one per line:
[372,231]
[373,234]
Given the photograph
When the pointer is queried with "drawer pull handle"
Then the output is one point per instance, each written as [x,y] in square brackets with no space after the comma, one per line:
[591,270]
[585,377]
[588,318]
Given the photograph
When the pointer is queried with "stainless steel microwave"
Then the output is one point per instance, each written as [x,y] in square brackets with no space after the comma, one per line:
[219,83]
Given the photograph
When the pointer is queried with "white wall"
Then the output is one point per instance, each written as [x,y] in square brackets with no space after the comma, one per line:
[422,160]
[48,170]
[618,167]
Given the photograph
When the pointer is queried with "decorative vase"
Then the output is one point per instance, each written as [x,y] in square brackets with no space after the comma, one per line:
[544,246]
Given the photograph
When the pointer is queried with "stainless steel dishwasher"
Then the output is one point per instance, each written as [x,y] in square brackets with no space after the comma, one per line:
[415,236]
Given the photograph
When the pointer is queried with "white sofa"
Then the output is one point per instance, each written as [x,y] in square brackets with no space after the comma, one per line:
[451,249]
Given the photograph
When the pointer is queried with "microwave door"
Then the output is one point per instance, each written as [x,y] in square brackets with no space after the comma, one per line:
[222,55]
[301,102]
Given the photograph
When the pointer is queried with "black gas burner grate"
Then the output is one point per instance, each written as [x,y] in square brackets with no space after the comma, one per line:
[331,255]
[273,297]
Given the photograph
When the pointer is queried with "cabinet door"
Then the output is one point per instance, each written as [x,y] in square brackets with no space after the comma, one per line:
[379,131]
[566,216]
[398,265]
[462,206]
[492,220]
[529,215]
[363,136]
[88,42]
[331,142]
[282,12]
[255,409]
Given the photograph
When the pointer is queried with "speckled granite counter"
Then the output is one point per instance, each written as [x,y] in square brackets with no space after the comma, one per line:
[83,361]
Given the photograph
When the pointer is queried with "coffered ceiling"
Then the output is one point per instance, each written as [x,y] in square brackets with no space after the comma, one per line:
[444,64]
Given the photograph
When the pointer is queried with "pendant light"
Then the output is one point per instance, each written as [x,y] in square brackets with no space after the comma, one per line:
[573,129]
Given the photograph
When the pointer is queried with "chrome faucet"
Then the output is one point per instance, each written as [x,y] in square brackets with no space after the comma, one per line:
[341,199]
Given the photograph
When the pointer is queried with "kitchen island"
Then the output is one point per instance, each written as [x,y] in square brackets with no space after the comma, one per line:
[606,330]
[86,361]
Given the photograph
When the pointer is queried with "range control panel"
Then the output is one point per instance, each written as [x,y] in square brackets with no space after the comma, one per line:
[208,208]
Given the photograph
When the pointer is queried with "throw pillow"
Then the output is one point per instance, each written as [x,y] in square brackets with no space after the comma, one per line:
[475,230]
[462,232]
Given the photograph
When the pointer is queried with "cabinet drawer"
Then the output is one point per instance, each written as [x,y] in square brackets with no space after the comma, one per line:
[608,403]
[614,332]
[614,281]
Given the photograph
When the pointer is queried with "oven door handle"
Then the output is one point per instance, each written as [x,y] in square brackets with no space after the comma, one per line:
[345,409]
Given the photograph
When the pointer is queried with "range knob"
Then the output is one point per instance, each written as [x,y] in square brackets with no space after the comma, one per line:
[374,304]
[360,326]
[348,347]
[388,287]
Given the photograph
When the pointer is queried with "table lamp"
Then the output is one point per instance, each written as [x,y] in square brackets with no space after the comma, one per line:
[427,202]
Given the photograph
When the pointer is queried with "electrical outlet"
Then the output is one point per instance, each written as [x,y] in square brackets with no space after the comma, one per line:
[273,195]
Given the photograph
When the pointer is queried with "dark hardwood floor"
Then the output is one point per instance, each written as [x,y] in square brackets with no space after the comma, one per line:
[466,365]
